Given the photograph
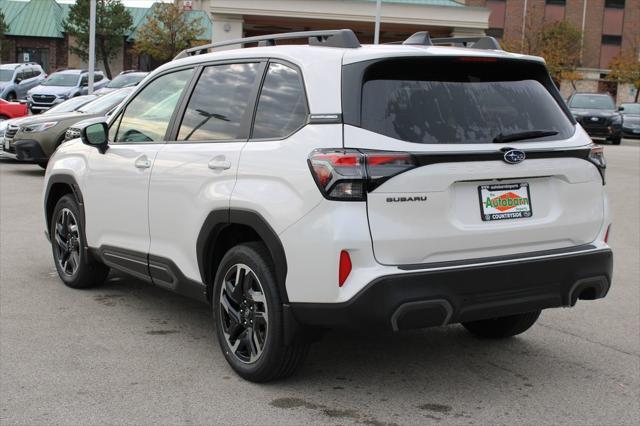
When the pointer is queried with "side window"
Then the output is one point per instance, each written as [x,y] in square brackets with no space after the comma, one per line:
[98,77]
[218,105]
[147,116]
[84,80]
[282,107]
[21,75]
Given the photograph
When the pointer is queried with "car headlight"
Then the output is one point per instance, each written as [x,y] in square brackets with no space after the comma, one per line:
[616,119]
[63,96]
[40,127]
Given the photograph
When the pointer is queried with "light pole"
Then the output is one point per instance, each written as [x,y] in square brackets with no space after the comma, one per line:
[92,43]
[376,36]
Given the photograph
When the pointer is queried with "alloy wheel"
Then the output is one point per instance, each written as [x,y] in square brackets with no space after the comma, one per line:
[67,242]
[243,313]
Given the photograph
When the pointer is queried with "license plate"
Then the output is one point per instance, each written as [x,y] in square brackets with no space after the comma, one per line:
[505,201]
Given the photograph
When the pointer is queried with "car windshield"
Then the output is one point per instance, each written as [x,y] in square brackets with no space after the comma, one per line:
[6,75]
[591,102]
[631,108]
[72,104]
[475,103]
[105,103]
[125,80]
[65,80]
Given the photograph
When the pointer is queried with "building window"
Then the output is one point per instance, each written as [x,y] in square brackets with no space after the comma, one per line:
[556,2]
[496,32]
[614,40]
[614,4]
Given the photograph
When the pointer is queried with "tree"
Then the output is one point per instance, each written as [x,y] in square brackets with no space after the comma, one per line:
[167,32]
[625,68]
[3,25]
[559,43]
[113,22]
[4,28]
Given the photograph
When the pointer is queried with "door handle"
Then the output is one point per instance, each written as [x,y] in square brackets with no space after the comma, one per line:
[219,163]
[142,162]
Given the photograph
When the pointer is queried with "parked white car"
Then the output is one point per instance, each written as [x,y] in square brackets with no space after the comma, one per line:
[304,187]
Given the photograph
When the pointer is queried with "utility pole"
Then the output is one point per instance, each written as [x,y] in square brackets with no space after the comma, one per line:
[584,20]
[92,43]
[524,25]
[376,36]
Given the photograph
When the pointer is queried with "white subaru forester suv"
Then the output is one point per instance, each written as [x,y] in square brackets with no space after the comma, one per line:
[303,187]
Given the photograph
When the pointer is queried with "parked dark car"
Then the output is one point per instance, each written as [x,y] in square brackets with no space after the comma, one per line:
[630,120]
[598,115]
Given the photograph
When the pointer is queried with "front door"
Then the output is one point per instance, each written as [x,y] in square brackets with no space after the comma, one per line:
[117,181]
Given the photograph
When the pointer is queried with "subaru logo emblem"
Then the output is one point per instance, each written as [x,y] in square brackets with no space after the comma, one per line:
[514,156]
[594,118]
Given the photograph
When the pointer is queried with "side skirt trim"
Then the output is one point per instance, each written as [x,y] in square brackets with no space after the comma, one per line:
[153,269]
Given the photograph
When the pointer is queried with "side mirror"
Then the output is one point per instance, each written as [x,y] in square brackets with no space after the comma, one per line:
[96,135]
[18,80]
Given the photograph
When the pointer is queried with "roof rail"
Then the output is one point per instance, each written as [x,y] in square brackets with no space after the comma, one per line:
[422,38]
[328,38]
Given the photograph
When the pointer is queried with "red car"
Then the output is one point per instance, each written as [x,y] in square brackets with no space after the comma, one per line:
[11,109]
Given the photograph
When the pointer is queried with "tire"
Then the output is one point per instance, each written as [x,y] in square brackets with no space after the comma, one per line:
[502,327]
[257,299]
[72,264]
[616,141]
[11,97]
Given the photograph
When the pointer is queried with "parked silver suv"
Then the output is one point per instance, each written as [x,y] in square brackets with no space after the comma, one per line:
[61,86]
[17,79]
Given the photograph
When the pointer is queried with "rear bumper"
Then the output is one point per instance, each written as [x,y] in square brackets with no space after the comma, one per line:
[427,298]
[30,151]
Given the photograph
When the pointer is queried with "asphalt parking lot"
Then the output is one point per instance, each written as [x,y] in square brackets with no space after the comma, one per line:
[131,353]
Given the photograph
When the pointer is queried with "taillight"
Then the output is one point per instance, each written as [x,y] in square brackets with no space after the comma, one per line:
[339,173]
[596,156]
[348,174]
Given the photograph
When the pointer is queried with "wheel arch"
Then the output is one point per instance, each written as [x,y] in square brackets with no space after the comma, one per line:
[57,187]
[224,228]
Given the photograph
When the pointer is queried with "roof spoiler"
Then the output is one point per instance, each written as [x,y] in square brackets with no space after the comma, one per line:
[422,38]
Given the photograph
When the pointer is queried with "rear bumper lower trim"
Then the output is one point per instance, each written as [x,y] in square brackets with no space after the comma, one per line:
[421,299]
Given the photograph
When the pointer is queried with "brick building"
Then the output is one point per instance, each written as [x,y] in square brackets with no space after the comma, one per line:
[608,27]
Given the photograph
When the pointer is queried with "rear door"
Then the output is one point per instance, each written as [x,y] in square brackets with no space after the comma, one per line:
[195,172]
[463,197]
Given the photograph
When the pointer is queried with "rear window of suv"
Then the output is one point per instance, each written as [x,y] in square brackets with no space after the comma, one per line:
[451,101]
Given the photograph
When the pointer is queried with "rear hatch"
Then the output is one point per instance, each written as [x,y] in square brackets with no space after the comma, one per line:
[494,163]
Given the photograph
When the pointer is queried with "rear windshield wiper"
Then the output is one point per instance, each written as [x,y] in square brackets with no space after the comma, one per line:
[531,134]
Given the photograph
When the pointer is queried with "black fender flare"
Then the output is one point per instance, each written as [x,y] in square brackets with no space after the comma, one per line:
[217,220]
[71,182]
